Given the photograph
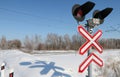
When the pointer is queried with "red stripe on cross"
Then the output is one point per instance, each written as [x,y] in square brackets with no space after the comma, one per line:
[91,40]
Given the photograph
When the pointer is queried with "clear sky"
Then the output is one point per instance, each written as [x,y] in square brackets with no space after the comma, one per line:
[19,18]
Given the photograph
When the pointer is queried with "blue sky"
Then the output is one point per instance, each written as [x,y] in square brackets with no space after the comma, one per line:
[19,18]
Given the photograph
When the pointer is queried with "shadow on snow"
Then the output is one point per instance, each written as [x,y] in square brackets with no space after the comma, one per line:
[47,67]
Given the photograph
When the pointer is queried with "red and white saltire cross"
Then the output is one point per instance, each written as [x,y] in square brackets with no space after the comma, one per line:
[91,40]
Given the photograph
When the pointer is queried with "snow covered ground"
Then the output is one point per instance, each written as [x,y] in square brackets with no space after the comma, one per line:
[48,64]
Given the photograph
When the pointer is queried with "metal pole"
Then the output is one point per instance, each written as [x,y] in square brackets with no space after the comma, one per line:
[89,52]
[90,66]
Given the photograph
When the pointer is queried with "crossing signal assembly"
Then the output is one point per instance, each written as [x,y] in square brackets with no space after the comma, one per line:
[80,11]
[102,14]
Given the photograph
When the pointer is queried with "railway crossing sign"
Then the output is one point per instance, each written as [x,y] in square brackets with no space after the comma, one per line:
[91,40]
[91,58]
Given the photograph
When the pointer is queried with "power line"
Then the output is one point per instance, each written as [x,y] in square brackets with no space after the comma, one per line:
[113,29]
[40,17]
[33,15]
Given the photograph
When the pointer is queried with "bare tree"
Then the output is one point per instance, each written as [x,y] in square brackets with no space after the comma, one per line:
[28,44]
[52,41]
[61,44]
[14,44]
[36,40]
[77,41]
[3,43]
[32,43]
[67,42]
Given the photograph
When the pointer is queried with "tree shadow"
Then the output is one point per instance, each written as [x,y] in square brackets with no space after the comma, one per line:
[47,67]
[59,74]
[25,63]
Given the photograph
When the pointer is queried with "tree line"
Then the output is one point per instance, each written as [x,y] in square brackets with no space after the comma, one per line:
[54,42]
